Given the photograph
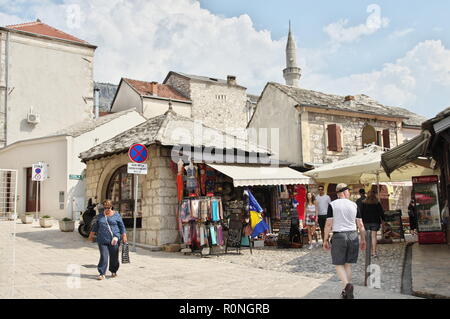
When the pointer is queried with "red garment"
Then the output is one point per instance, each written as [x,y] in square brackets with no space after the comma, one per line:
[180,187]
[301,199]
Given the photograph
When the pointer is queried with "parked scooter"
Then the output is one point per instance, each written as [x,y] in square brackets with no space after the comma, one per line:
[87,218]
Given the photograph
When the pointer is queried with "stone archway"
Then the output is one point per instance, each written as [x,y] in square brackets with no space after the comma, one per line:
[369,135]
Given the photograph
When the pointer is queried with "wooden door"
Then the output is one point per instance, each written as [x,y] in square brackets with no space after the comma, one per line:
[31,193]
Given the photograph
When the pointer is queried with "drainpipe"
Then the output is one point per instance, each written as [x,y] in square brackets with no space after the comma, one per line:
[97,102]
[6,85]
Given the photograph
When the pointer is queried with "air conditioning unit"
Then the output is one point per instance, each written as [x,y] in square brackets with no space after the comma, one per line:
[33,118]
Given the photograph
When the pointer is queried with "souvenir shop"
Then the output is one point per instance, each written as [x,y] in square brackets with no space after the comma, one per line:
[212,202]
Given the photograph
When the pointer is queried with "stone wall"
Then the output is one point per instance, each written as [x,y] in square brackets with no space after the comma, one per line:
[351,135]
[179,83]
[159,194]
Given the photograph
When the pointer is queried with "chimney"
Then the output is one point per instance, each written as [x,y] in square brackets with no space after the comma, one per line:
[231,80]
[154,88]
[349,100]
[97,102]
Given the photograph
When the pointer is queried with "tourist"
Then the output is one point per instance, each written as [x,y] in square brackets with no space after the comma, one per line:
[372,215]
[412,214]
[343,219]
[323,200]
[310,217]
[362,197]
[109,228]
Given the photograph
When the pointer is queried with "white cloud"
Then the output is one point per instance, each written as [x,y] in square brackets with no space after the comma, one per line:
[339,33]
[401,33]
[410,81]
[144,39]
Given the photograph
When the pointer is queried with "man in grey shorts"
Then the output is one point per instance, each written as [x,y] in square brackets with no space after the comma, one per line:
[343,219]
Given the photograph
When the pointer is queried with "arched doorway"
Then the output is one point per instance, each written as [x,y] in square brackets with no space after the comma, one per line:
[121,191]
[369,135]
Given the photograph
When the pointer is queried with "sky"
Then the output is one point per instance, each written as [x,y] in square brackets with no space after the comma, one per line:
[397,52]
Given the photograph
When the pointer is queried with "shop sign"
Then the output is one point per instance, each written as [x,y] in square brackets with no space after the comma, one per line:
[76,177]
[136,168]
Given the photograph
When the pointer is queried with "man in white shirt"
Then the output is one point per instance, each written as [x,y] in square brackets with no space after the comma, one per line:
[343,218]
[322,200]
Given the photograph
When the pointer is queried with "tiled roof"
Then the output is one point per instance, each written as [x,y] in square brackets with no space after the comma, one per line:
[361,103]
[156,90]
[201,78]
[40,28]
[169,129]
[86,126]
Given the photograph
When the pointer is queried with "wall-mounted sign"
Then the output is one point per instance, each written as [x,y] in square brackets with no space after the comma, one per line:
[76,177]
[39,172]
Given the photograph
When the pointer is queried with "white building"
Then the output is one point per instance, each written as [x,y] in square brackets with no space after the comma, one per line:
[63,194]
[46,81]
[149,98]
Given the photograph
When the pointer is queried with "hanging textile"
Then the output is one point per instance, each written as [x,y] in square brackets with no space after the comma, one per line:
[195,208]
[185,211]
[204,206]
[213,235]
[215,210]
[300,197]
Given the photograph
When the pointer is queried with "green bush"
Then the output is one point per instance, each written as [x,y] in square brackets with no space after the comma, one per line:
[46,216]
[65,219]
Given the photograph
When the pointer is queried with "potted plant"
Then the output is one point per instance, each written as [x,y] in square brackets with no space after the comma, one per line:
[27,218]
[66,225]
[46,221]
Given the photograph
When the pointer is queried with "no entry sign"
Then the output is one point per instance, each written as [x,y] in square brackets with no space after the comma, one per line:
[138,153]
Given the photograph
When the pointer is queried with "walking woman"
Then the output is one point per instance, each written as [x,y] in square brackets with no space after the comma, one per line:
[109,228]
[310,217]
[372,215]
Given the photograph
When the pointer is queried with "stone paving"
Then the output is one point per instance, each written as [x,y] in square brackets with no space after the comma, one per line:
[316,263]
[43,263]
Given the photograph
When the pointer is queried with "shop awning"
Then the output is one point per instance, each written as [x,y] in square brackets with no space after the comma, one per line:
[405,153]
[257,175]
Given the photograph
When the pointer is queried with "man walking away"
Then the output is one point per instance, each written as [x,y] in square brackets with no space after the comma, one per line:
[323,200]
[343,218]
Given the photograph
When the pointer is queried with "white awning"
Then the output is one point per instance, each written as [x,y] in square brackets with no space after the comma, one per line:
[257,175]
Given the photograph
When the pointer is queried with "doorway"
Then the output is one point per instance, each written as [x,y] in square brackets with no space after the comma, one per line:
[31,193]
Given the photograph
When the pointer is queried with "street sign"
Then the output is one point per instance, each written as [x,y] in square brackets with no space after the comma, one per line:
[136,168]
[138,153]
[76,177]
[39,172]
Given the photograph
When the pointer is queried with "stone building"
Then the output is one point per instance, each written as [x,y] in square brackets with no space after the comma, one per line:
[46,81]
[316,128]
[217,103]
[106,172]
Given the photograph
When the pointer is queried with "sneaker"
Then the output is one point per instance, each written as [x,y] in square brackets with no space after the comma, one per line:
[101,277]
[310,246]
[349,291]
[113,275]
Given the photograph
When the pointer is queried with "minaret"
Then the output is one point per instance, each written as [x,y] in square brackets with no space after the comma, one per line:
[292,73]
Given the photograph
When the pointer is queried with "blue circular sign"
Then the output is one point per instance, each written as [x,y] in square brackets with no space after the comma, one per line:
[138,153]
[38,170]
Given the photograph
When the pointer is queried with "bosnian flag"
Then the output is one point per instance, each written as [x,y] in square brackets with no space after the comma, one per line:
[256,221]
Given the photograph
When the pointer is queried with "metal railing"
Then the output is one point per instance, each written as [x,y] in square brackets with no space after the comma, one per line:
[8,194]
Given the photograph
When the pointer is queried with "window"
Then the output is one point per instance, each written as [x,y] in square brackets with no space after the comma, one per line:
[386,138]
[369,135]
[221,97]
[334,138]
[121,191]
[379,138]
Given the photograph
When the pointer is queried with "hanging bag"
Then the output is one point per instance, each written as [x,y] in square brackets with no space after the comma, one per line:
[125,254]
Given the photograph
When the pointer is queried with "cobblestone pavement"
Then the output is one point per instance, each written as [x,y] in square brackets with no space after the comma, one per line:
[47,263]
[316,263]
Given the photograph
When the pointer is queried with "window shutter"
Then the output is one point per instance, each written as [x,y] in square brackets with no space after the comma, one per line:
[339,138]
[334,138]
[332,145]
[386,138]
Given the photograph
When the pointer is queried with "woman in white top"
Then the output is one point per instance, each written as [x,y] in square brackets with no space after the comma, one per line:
[310,217]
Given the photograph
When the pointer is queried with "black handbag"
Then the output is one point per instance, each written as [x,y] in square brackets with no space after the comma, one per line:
[125,254]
